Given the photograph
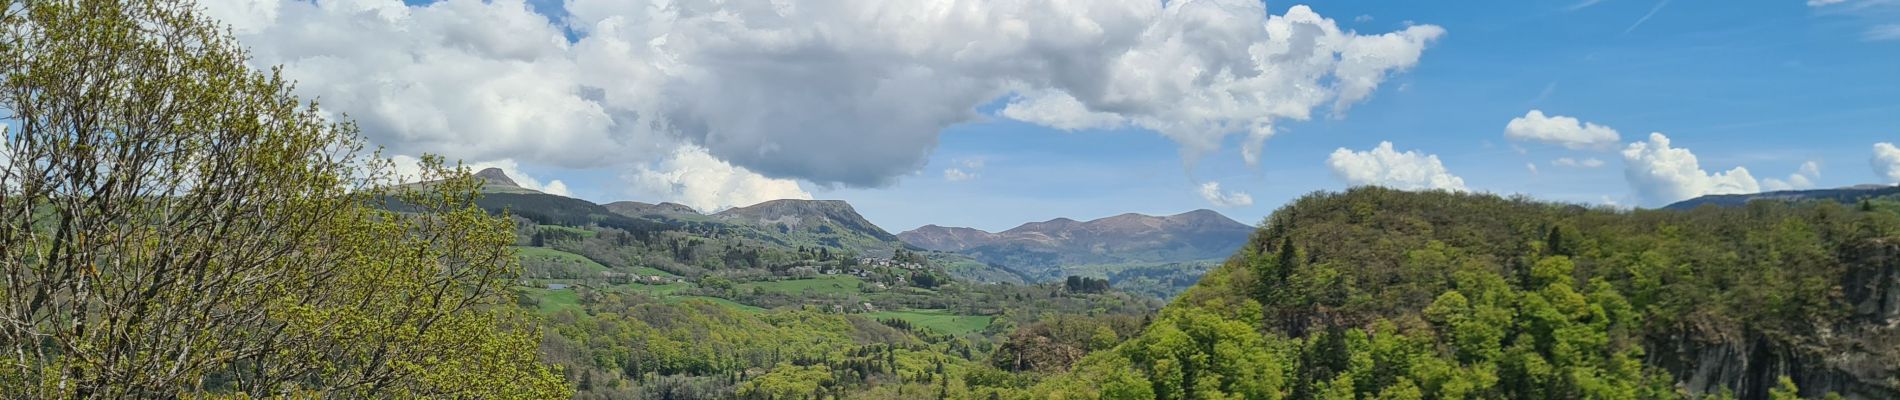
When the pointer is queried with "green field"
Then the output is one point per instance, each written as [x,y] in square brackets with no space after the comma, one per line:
[830,284]
[939,320]
[654,290]
[554,300]
[544,253]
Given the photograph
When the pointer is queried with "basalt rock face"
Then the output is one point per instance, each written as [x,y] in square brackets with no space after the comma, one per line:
[494,176]
[1872,285]
[1855,357]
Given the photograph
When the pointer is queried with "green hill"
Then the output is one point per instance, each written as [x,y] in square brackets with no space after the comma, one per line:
[1388,294]
[1852,194]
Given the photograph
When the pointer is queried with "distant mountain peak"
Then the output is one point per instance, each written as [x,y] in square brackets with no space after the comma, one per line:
[494,176]
[1200,213]
[635,208]
[798,213]
[1193,235]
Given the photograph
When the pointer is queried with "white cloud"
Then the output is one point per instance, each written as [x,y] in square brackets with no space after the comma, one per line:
[1822,3]
[1561,130]
[957,175]
[467,79]
[965,169]
[851,92]
[1660,174]
[693,177]
[1383,166]
[1211,192]
[1582,5]
[409,169]
[1532,167]
[1882,32]
[556,187]
[1058,110]
[1886,162]
[1576,163]
[1652,13]
[1801,179]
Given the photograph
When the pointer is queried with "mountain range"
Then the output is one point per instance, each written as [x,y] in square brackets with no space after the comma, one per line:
[1121,239]
[1035,251]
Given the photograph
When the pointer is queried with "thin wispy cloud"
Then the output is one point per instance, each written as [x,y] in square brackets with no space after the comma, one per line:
[1883,33]
[1582,5]
[1646,17]
[1542,95]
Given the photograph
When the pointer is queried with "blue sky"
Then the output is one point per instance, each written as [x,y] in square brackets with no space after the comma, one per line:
[1763,85]
[1768,86]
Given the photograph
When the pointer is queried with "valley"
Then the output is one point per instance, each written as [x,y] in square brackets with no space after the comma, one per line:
[661,200]
[786,287]
[807,299]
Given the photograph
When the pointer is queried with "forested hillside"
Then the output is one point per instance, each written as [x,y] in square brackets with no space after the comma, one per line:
[1377,293]
[175,224]
[789,299]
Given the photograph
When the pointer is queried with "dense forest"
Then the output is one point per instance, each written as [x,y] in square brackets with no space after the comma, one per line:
[1371,293]
[1378,293]
[175,224]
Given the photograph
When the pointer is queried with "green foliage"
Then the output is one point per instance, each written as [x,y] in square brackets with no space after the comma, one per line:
[176,224]
[546,263]
[1056,342]
[941,321]
[1784,390]
[787,382]
[1188,353]
[1387,294]
[831,284]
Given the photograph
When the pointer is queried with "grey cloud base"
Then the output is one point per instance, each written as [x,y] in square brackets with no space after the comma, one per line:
[847,92]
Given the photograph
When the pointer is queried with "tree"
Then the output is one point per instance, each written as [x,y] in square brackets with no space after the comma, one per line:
[1784,390]
[175,223]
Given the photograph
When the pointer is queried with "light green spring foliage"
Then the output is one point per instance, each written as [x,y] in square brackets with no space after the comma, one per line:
[1445,296]
[1562,350]
[788,382]
[177,224]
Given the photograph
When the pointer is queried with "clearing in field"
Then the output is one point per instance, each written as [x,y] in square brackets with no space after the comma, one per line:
[942,321]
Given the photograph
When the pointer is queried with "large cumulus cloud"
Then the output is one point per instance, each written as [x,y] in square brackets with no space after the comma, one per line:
[696,179]
[851,92]
[1660,173]
[1386,166]
[1886,162]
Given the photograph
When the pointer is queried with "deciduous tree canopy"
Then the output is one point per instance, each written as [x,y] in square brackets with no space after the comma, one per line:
[177,224]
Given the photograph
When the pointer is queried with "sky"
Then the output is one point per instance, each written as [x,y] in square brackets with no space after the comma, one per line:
[992,113]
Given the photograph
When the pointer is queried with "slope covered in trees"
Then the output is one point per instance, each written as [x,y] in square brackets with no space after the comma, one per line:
[174,224]
[1376,293]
